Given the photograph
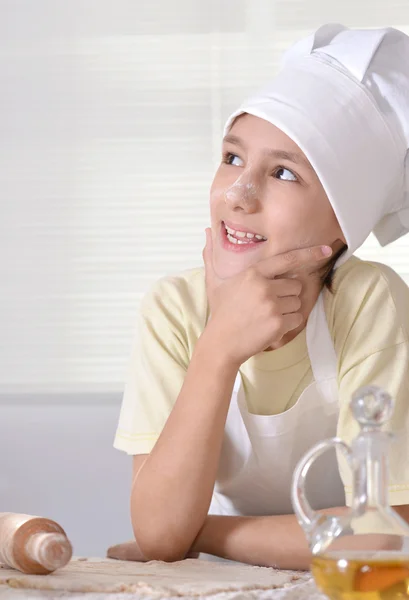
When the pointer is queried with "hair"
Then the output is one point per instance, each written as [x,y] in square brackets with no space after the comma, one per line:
[327,277]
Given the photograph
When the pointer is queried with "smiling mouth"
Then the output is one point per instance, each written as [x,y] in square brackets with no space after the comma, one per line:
[238,237]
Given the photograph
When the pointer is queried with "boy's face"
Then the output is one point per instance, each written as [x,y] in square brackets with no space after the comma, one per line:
[265,187]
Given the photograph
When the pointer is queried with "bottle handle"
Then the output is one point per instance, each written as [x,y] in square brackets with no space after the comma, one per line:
[319,528]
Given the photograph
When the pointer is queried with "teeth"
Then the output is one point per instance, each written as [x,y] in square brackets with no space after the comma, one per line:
[233,236]
[234,240]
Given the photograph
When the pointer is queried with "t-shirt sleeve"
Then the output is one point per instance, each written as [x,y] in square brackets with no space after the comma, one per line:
[156,371]
[376,351]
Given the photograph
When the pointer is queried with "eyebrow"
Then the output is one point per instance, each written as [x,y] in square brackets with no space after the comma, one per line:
[295,157]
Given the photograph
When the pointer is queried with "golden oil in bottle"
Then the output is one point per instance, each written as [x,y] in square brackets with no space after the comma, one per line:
[360,578]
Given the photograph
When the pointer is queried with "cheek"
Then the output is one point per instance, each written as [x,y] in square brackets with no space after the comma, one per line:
[284,216]
[216,198]
[323,222]
[299,220]
[217,191]
[320,226]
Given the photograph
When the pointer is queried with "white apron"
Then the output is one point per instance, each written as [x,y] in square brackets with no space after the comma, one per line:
[259,452]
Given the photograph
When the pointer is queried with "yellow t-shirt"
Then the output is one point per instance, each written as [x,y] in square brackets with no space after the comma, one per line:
[368,318]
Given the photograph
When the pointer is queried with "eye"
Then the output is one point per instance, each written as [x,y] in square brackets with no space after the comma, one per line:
[232,159]
[284,174]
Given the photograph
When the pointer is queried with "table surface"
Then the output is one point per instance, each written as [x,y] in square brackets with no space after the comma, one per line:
[305,590]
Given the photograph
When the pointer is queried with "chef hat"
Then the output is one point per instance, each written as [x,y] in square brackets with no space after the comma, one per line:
[343,96]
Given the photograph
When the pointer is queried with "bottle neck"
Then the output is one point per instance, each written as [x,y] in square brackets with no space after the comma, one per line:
[371,474]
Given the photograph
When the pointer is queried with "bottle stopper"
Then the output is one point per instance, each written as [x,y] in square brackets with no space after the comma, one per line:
[372,407]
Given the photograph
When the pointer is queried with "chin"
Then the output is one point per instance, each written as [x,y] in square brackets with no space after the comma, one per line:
[227,267]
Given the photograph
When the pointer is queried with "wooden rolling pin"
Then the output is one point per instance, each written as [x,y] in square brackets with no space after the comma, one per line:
[33,544]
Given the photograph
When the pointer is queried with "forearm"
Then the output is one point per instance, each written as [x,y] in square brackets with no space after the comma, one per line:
[172,491]
[217,534]
[271,541]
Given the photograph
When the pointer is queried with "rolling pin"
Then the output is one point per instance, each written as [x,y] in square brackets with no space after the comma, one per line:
[33,544]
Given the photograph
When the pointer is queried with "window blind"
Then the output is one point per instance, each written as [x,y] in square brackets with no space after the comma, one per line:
[111,115]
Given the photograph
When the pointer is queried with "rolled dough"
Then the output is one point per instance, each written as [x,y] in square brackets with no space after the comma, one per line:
[187,578]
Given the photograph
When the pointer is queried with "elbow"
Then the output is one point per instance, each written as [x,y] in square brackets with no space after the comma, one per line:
[158,535]
[159,539]
[164,555]
[157,545]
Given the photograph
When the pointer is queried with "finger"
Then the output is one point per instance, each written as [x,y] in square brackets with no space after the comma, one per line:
[125,551]
[288,305]
[292,321]
[210,276]
[286,287]
[293,260]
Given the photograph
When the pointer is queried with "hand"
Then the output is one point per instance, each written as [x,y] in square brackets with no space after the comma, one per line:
[256,308]
[130,551]
[126,551]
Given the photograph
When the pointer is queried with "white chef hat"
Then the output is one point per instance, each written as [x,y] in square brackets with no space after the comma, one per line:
[343,96]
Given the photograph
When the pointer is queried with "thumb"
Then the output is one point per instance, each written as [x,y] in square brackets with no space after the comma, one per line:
[210,275]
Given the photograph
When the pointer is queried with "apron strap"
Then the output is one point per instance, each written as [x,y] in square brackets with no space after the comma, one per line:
[321,351]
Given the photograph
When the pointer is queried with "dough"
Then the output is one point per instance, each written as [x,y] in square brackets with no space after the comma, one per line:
[187,578]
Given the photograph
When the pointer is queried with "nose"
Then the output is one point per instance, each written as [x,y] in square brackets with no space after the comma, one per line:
[243,195]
